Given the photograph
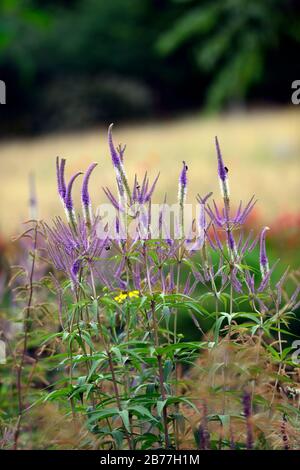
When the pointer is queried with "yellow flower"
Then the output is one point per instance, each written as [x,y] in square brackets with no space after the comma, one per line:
[119,298]
[134,294]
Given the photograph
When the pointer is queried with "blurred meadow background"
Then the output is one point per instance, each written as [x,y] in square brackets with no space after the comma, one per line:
[171,74]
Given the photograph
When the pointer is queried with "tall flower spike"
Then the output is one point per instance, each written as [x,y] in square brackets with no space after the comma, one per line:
[183,178]
[60,175]
[113,152]
[69,201]
[182,190]
[119,169]
[85,197]
[222,171]
[263,259]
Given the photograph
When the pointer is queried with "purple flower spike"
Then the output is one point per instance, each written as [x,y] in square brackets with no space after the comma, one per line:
[115,156]
[263,259]
[117,159]
[182,189]
[183,175]
[85,197]
[60,175]
[68,198]
[221,167]
[222,171]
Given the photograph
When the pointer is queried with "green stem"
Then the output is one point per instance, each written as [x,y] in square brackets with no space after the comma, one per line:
[110,363]
[161,376]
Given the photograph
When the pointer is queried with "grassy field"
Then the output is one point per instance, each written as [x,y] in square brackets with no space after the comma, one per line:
[261,149]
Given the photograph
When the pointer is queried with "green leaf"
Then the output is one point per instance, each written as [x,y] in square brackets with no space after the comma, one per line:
[87,338]
[172,400]
[115,350]
[142,411]
[218,325]
[64,392]
[94,367]
[160,406]
[125,418]
[103,414]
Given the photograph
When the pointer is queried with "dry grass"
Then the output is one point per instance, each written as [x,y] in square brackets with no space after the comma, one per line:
[261,149]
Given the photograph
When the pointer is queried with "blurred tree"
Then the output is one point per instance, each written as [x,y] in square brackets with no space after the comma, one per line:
[231,39]
[72,64]
[22,26]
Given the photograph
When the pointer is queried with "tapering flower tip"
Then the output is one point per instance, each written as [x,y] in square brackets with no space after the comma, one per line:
[117,159]
[68,198]
[221,167]
[222,172]
[60,175]
[85,197]
[182,187]
[263,259]
[183,175]
[113,152]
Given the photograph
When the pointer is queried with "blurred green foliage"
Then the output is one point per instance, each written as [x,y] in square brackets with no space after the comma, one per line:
[69,64]
[231,40]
